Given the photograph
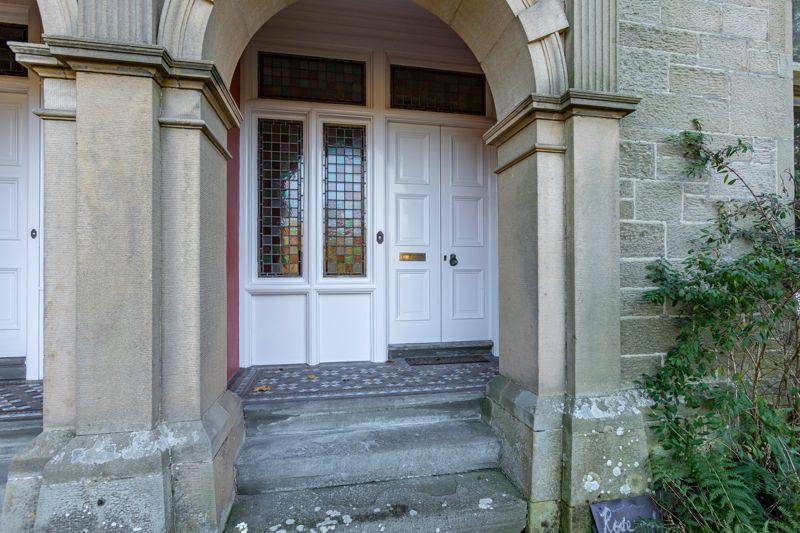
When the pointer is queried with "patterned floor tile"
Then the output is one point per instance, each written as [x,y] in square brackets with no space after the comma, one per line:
[352,380]
[20,399]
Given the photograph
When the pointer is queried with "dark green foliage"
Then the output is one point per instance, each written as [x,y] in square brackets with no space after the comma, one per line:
[726,402]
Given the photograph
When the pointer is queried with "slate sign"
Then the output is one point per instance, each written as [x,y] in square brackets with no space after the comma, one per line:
[621,516]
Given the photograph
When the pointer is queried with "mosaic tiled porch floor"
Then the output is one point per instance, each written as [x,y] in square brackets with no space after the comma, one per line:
[20,400]
[353,380]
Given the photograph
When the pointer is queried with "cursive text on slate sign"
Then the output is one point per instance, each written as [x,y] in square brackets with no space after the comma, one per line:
[621,516]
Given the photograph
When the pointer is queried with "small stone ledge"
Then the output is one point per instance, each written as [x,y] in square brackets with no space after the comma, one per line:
[539,413]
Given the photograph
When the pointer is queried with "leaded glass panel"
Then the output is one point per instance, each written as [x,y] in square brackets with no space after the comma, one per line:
[312,78]
[344,200]
[438,90]
[8,64]
[280,197]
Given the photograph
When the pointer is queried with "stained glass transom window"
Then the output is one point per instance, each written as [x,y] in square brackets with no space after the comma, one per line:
[280,197]
[344,198]
[312,78]
[438,90]
[9,65]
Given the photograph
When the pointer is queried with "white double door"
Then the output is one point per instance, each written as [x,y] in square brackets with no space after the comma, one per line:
[439,254]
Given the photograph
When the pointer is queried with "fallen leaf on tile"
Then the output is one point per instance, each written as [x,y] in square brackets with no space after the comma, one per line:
[262,388]
[311,376]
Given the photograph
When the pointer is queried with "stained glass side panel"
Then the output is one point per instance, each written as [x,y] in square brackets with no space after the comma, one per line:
[280,198]
[344,197]
[438,90]
[316,79]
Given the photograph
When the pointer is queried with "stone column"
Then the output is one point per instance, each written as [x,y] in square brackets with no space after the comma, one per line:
[524,403]
[570,435]
[148,433]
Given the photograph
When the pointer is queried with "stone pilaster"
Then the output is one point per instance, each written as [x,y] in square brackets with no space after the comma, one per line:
[153,431]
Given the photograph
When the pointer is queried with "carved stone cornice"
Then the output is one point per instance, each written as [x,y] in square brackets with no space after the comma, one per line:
[572,103]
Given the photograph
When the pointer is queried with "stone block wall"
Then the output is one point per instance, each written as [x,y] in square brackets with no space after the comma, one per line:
[728,63]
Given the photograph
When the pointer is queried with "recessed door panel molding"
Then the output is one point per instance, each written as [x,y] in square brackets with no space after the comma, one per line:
[279,332]
[9,306]
[468,295]
[345,327]
[9,208]
[468,223]
[413,220]
[413,165]
[413,288]
[467,160]
[10,133]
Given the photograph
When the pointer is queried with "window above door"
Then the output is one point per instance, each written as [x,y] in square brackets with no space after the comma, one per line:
[313,79]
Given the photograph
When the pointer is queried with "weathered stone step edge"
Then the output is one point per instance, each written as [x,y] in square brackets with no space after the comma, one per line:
[276,423]
[461,495]
[254,408]
[270,464]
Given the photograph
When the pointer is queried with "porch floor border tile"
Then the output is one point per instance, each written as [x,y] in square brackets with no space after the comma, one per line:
[20,400]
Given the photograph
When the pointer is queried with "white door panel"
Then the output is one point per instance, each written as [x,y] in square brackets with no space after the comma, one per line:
[13,226]
[465,204]
[413,233]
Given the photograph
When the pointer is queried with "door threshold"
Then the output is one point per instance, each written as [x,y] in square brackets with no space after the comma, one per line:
[440,349]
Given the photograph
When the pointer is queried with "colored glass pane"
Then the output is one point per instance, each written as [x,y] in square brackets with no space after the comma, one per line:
[280,198]
[344,200]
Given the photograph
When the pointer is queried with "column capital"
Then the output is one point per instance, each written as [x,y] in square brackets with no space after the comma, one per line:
[573,102]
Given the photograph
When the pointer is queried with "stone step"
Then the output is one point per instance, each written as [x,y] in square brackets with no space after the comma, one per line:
[14,436]
[440,349]
[482,501]
[294,461]
[360,414]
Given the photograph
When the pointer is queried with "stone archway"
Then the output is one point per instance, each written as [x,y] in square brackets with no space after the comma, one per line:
[519,45]
[136,109]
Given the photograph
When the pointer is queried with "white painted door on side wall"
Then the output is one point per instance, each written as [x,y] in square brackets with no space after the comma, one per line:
[14,235]
[438,232]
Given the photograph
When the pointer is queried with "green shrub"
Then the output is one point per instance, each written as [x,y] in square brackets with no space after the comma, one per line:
[726,402]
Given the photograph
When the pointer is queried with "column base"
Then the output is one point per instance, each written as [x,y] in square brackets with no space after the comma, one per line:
[178,477]
[564,453]
[529,427]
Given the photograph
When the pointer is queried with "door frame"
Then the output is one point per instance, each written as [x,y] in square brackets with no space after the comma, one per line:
[378,115]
